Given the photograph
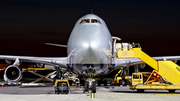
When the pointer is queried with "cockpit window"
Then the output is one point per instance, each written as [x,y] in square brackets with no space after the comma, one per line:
[88,21]
[85,21]
[95,21]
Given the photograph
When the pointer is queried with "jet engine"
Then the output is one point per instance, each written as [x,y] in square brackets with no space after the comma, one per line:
[13,73]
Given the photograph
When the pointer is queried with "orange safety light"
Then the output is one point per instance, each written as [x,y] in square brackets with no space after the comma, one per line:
[1,69]
[154,74]
[158,76]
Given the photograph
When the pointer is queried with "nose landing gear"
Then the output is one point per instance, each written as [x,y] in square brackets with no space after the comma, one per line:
[90,85]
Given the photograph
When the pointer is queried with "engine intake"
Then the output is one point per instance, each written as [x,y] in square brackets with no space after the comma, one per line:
[13,73]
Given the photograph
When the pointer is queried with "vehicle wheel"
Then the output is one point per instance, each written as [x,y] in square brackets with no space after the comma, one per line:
[82,82]
[67,91]
[127,82]
[140,90]
[111,83]
[94,88]
[57,91]
[99,82]
[120,82]
[105,82]
[70,82]
[171,91]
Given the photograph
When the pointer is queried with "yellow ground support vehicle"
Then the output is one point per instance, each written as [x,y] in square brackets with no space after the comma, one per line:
[148,81]
[118,79]
[166,74]
[61,86]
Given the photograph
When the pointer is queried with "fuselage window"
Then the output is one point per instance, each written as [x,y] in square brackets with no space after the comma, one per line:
[85,21]
[95,21]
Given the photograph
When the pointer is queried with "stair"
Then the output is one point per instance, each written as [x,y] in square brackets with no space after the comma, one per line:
[167,69]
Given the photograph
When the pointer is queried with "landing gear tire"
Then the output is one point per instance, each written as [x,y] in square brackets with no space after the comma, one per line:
[99,82]
[171,91]
[94,88]
[67,91]
[105,82]
[70,82]
[140,90]
[127,82]
[56,91]
[86,88]
[82,82]
[120,82]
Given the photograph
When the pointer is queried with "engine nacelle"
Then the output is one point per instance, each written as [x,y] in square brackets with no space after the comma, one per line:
[13,73]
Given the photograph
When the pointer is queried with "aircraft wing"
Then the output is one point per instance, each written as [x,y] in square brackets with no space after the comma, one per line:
[134,61]
[61,62]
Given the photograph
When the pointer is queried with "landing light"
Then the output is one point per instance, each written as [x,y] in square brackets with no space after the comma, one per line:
[93,44]
[85,44]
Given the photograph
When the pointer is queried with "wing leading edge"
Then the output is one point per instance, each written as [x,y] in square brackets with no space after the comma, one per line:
[55,61]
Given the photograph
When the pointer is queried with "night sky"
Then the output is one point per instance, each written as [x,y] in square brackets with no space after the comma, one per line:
[25,25]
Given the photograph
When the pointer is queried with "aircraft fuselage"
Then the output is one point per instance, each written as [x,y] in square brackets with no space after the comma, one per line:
[89,47]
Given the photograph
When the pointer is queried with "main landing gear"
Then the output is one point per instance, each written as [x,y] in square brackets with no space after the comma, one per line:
[92,88]
[102,81]
[90,85]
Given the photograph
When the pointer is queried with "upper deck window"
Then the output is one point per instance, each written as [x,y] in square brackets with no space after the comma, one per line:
[95,21]
[85,21]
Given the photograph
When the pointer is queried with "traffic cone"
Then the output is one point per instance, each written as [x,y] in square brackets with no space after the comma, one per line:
[2,86]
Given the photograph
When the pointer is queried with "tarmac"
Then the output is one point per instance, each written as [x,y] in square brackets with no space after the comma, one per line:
[109,93]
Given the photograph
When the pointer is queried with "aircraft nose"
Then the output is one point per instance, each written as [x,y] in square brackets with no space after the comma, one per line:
[91,47]
[91,53]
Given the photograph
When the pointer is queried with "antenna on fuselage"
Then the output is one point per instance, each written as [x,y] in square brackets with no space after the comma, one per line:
[91,6]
